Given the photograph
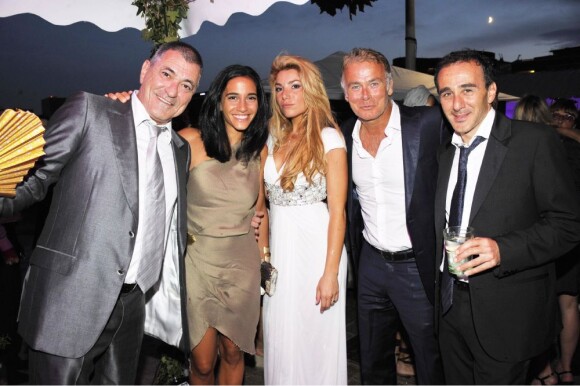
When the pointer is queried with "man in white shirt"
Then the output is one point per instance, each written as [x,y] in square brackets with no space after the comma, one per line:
[392,176]
[83,303]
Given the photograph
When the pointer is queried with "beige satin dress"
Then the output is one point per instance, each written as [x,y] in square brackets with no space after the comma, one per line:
[223,261]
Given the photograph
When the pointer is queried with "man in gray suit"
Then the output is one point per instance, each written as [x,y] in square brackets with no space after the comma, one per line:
[83,304]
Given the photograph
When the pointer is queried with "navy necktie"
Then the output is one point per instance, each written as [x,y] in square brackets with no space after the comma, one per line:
[457,201]
[455,215]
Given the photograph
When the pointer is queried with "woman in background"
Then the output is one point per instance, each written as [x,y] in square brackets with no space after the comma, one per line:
[562,115]
[565,120]
[306,182]
[532,108]
[224,190]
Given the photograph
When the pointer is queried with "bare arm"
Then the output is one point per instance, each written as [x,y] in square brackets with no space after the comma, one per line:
[193,137]
[570,133]
[336,185]
[263,228]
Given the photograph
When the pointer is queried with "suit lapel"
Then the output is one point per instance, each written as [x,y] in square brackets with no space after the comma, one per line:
[347,133]
[410,136]
[125,144]
[180,152]
[492,161]
[445,163]
[181,158]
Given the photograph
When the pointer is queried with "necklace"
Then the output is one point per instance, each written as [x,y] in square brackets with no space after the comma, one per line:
[290,140]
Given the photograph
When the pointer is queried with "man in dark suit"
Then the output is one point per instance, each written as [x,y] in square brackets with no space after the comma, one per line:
[83,304]
[518,197]
[392,176]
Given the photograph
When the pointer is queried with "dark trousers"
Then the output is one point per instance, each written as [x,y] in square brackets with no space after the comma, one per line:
[113,358]
[465,362]
[389,291]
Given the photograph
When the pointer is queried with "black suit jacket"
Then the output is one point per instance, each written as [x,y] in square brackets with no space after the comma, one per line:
[524,200]
[422,131]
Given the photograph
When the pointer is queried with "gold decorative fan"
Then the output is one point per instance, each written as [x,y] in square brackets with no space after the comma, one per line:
[21,144]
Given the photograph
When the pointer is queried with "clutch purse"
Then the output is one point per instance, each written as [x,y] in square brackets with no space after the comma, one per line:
[269,274]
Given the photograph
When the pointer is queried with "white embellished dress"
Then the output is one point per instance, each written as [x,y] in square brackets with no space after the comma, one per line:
[301,345]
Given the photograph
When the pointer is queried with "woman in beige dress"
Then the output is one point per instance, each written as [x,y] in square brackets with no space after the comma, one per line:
[223,258]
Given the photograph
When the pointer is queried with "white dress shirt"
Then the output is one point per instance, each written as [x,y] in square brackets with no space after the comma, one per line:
[474,162]
[165,151]
[163,302]
[380,186]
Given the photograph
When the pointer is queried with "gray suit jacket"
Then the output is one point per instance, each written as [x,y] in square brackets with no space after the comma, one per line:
[524,200]
[82,256]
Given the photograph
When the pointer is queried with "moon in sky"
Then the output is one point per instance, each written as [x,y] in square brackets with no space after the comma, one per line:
[490,20]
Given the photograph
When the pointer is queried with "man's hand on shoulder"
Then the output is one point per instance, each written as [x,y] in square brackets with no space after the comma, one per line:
[122,96]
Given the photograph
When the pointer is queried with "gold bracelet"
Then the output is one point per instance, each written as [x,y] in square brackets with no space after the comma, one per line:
[267,254]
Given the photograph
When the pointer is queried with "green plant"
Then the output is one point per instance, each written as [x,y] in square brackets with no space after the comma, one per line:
[331,6]
[4,342]
[170,371]
[162,18]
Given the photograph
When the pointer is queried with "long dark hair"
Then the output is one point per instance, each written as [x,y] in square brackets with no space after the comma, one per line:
[212,124]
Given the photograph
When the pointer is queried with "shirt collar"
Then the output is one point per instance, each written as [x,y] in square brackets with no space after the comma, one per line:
[394,123]
[484,130]
[395,119]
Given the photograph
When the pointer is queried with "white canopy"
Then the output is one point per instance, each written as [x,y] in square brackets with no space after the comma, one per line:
[114,15]
[404,80]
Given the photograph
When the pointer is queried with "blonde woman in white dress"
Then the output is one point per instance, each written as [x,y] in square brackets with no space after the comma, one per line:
[306,182]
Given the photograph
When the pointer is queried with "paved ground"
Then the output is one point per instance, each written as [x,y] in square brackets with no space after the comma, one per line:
[255,375]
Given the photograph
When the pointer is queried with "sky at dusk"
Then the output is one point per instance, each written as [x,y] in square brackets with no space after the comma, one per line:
[39,59]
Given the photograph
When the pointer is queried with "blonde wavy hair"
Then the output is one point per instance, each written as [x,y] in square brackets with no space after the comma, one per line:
[308,157]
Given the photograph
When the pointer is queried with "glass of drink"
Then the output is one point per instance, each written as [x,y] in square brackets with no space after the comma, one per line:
[454,237]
